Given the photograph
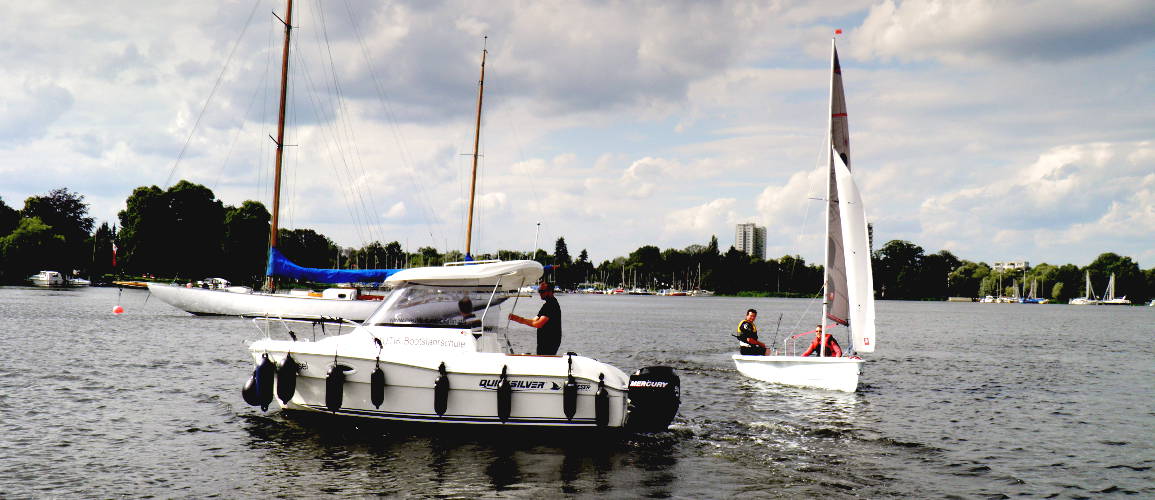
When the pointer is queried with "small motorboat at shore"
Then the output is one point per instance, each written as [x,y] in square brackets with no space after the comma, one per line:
[432,353]
[48,278]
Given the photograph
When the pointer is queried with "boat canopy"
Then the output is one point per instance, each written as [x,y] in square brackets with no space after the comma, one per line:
[506,275]
[283,267]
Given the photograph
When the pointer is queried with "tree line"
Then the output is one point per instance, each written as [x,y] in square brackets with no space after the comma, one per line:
[185,233]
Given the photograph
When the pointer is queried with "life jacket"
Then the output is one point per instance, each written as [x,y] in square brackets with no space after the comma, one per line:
[742,335]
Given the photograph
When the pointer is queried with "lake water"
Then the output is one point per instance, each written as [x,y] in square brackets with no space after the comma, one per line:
[961,400]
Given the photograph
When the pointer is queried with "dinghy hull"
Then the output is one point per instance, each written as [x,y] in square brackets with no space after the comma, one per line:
[835,374]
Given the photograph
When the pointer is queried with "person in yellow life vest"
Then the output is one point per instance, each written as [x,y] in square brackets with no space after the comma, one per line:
[748,343]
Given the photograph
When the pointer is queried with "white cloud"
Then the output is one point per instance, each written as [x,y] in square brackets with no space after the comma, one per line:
[396,211]
[701,221]
[968,31]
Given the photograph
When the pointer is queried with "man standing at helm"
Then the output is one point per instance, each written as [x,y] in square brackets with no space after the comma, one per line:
[547,322]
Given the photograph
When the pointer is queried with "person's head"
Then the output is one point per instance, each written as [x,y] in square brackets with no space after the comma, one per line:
[465,306]
[751,315]
[818,330]
[545,290]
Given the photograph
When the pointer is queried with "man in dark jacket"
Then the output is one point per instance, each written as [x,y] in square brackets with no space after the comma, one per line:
[547,322]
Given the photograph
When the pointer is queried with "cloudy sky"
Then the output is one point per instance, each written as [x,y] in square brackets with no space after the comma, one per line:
[995,129]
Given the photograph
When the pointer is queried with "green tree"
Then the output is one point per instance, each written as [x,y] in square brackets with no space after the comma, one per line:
[307,248]
[966,279]
[33,246]
[102,241]
[897,270]
[9,218]
[246,242]
[67,214]
[144,232]
[1129,278]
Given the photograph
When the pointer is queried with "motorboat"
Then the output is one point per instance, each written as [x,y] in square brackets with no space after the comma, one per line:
[848,285]
[48,278]
[435,352]
[431,353]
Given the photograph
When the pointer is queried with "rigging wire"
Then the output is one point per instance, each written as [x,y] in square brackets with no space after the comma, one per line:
[499,96]
[329,126]
[316,106]
[212,93]
[358,167]
[422,196]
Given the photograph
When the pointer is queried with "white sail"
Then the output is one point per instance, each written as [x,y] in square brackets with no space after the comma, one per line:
[856,254]
[836,301]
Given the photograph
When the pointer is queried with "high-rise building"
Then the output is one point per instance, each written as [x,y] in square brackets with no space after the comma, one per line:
[750,239]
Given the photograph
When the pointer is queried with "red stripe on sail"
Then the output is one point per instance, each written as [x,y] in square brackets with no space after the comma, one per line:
[838,114]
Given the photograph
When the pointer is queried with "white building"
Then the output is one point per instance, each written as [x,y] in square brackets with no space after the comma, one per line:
[1010,265]
[750,239]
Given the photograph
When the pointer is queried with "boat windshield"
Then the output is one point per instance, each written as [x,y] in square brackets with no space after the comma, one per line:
[420,305]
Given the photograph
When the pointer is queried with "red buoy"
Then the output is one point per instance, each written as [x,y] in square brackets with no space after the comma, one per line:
[117,310]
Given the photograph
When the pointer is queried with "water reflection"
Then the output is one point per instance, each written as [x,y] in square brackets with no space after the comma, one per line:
[331,455]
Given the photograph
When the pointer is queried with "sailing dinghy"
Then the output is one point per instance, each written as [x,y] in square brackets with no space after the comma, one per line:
[848,300]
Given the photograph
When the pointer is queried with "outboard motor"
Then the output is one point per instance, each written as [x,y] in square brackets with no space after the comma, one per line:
[654,396]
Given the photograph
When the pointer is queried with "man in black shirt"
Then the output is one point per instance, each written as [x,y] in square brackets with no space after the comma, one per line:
[547,322]
[748,343]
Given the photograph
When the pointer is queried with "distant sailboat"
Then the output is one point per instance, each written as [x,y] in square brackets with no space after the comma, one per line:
[1088,298]
[1110,299]
[849,288]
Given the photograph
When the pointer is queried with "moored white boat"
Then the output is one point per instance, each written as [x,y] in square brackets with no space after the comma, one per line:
[48,278]
[1109,298]
[849,289]
[1088,298]
[216,298]
[345,303]
[422,358]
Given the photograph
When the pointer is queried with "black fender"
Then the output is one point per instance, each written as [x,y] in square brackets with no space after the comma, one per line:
[441,391]
[335,388]
[504,397]
[377,387]
[602,402]
[287,378]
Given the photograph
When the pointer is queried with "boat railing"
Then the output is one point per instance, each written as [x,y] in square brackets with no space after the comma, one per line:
[325,324]
[789,346]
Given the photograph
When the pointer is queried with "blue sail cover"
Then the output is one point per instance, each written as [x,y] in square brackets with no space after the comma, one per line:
[283,267]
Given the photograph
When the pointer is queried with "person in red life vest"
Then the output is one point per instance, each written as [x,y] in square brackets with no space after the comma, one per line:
[832,348]
[748,343]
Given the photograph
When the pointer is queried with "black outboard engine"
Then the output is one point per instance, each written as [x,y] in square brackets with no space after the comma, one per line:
[654,395]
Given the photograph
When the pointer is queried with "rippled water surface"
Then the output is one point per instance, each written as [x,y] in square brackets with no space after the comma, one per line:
[965,400]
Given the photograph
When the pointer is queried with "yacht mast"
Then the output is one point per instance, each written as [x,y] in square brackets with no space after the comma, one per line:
[827,294]
[270,282]
[476,142]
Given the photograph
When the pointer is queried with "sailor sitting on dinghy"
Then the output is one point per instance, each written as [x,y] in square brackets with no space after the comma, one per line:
[748,343]
[832,348]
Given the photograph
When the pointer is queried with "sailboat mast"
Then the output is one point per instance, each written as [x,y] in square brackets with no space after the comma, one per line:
[288,22]
[476,143]
[827,293]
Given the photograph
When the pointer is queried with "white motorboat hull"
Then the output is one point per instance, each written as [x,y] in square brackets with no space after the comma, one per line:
[410,376]
[48,278]
[835,374]
[202,301]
